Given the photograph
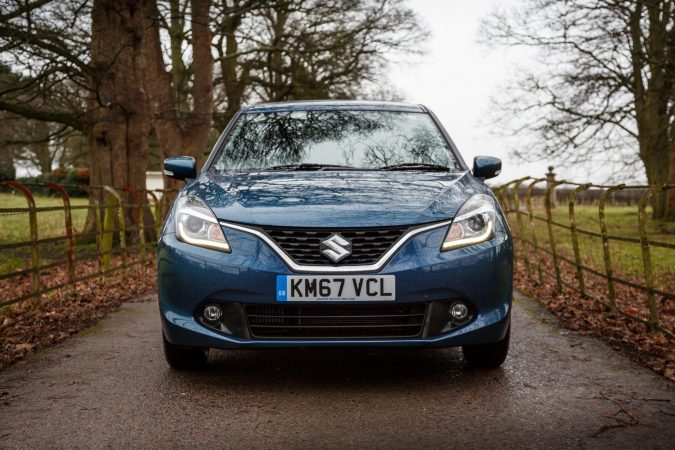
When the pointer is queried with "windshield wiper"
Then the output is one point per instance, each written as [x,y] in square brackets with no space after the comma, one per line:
[416,166]
[307,166]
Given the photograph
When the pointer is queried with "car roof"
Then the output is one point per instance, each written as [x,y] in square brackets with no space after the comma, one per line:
[327,105]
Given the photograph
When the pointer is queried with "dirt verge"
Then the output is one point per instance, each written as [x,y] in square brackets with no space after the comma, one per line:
[590,317]
[31,325]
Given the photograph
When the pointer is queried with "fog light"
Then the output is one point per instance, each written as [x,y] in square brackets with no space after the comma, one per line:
[213,313]
[459,312]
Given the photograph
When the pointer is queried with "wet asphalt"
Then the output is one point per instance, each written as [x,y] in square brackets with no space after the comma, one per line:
[109,387]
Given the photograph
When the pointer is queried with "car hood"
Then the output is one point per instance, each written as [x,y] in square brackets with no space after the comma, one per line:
[335,199]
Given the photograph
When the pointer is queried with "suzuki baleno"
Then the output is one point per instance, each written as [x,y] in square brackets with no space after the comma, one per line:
[335,223]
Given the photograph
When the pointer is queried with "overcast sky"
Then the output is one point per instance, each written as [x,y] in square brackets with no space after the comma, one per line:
[457,77]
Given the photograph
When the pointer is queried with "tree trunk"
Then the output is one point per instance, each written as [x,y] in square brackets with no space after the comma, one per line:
[671,192]
[652,98]
[202,87]
[182,134]
[119,130]
[278,90]
[179,73]
[655,151]
[44,157]
[233,85]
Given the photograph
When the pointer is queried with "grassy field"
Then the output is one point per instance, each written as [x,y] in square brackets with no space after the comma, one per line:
[15,227]
[626,257]
[621,221]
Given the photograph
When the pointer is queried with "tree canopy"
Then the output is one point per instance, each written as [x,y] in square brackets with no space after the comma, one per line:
[605,90]
[198,61]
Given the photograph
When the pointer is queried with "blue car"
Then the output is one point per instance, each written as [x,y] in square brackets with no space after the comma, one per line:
[334,223]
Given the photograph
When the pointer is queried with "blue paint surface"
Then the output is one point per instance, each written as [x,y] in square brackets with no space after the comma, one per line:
[189,276]
[335,198]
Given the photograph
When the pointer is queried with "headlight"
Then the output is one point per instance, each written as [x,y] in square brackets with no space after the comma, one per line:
[196,225]
[474,223]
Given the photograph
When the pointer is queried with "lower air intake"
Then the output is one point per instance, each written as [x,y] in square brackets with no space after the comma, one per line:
[336,321]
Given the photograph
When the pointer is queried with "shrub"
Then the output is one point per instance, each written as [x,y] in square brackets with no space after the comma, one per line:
[7,171]
[73,176]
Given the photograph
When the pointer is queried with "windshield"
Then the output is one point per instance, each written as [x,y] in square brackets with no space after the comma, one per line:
[330,140]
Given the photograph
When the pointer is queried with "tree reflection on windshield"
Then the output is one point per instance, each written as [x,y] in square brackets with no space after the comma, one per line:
[361,139]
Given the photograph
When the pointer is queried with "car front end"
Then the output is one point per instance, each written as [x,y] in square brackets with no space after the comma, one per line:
[294,252]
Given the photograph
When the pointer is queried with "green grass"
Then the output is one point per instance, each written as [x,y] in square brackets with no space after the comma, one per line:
[15,227]
[626,257]
[621,221]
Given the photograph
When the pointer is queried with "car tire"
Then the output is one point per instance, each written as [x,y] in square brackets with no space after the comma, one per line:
[488,355]
[184,358]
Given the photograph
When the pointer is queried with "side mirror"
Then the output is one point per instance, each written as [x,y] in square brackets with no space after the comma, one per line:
[180,167]
[486,167]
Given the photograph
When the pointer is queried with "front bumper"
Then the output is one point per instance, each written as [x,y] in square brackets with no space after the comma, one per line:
[190,276]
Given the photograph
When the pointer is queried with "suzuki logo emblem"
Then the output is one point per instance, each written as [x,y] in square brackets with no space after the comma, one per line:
[336,248]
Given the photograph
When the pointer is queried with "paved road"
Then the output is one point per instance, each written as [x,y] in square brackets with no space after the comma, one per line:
[110,387]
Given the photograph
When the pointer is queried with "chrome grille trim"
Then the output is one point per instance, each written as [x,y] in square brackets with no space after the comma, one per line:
[303,245]
[304,268]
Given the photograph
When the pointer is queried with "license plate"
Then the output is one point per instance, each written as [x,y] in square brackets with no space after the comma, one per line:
[300,288]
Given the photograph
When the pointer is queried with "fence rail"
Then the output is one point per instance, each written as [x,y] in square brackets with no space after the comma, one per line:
[540,231]
[518,202]
[111,210]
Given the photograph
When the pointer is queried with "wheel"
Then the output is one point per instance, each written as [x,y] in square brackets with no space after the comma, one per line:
[488,355]
[184,358]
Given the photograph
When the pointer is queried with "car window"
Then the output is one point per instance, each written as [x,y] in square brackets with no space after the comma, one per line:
[310,139]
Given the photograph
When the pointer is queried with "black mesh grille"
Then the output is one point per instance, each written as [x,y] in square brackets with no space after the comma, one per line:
[304,245]
[336,321]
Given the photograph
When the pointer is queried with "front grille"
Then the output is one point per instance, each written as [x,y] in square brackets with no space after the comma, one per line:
[304,245]
[336,321]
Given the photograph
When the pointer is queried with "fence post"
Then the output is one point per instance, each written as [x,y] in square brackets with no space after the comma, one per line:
[519,219]
[499,193]
[548,204]
[605,243]
[108,230]
[550,181]
[528,199]
[99,234]
[575,237]
[646,255]
[141,226]
[157,212]
[32,220]
[167,199]
[70,245]
[109,227]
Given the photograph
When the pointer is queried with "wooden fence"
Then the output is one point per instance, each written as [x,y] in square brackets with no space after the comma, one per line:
[110,221]
[527,206]
[526,215]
